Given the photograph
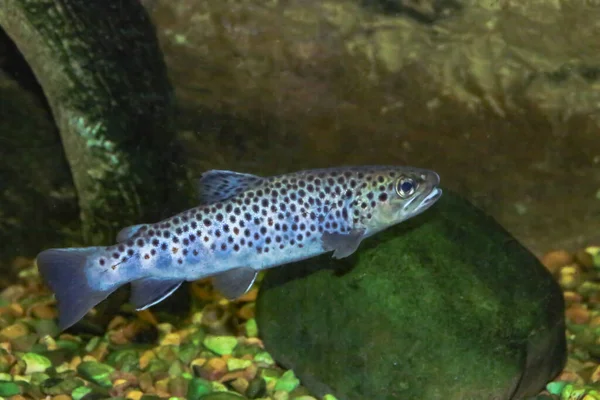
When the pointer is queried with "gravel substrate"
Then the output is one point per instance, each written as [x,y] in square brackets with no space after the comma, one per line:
[216,354]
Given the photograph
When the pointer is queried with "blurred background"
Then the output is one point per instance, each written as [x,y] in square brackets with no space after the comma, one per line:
[501,98]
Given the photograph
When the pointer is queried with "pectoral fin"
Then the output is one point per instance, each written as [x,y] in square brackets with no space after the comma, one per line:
[147,292]
[235,282]
[342,244]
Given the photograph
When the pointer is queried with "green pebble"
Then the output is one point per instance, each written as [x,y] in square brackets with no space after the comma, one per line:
[35,363]
[264,357]
[56,386]
[38,377]
[187,352]
[167,353]
[9,389]
[124,360]
[235,364]
[222,396]
[251,328]
[156,365]
[329,397]
[80,392]
[22,378]
[246,349]
[196,338]
[594,251]
[281,395]
[256,388]
[270,374]
[96,372]
[5,376]
[287,382]
[45,327]
[150,397]
[222,345]
[197,388]
[555,387]
[176,369]
[91,345]
[68,344]
[178,386]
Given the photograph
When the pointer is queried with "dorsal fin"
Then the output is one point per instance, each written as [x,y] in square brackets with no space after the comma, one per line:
[219,185]
[128,232]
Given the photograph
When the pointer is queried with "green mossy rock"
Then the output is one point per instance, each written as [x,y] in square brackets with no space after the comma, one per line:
[445,306]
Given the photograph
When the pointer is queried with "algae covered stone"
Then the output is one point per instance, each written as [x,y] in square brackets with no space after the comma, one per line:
[447,305]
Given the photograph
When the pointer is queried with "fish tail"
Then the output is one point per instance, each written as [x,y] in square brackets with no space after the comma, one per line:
[65,272]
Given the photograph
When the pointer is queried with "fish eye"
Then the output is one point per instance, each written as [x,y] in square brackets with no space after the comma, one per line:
[405,187]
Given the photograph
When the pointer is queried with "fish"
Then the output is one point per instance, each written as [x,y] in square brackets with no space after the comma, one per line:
[244,224]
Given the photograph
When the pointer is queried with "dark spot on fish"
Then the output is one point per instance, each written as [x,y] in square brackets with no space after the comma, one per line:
[383,197]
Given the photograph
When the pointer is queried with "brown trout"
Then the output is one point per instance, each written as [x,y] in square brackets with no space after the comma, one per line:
[245,223]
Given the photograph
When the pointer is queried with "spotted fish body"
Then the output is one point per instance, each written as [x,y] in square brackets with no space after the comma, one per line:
[245,224]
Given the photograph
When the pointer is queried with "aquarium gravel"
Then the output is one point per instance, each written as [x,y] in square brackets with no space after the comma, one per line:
[216,354]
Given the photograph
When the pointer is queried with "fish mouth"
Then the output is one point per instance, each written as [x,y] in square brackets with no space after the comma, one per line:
[432,197]
[429,200]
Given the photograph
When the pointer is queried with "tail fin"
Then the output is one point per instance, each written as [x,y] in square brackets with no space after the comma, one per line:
[64,271]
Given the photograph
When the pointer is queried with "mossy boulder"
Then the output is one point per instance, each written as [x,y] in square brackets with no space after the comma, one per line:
[447,305]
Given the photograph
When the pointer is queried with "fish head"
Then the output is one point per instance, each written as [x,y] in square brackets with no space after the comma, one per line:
[397,194]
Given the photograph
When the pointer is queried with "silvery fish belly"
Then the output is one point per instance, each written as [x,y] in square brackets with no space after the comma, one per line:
[245,223]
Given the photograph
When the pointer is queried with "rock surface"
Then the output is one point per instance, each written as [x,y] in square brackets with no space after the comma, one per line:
[277,86]
[445,306]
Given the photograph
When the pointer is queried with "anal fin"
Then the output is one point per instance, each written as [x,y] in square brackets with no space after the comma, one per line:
[235,282]
[147,292]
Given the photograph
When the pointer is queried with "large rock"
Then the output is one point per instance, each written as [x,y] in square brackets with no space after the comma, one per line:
[445,306]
